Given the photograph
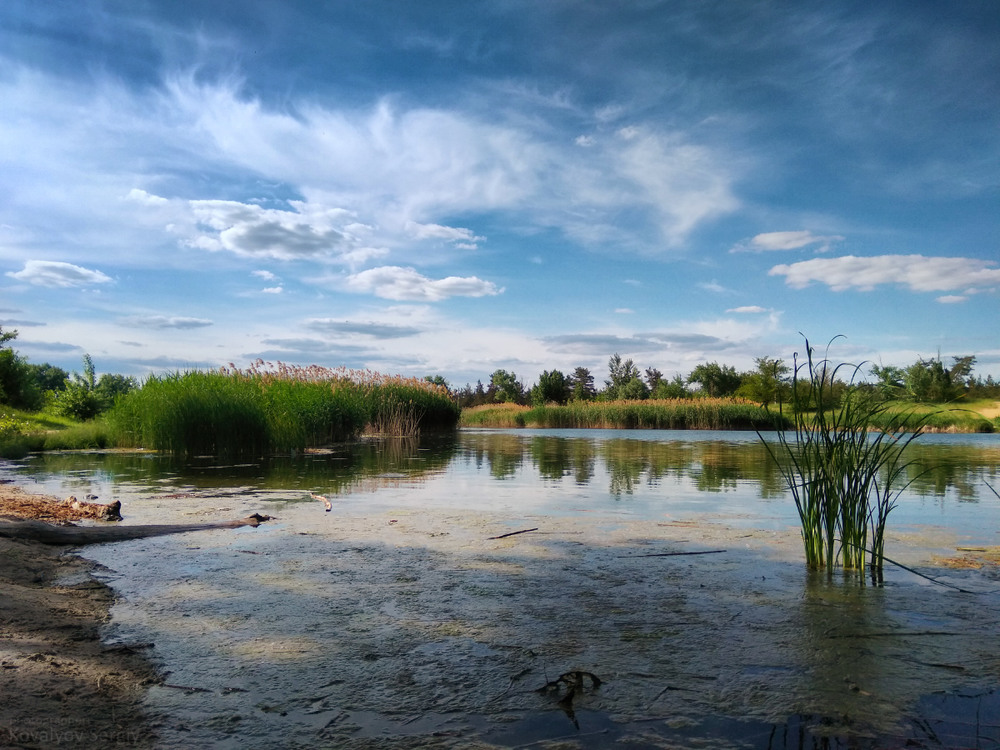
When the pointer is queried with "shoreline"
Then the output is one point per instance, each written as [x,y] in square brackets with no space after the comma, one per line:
[63,686]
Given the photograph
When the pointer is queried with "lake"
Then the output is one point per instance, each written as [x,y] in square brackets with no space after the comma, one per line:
[501,588]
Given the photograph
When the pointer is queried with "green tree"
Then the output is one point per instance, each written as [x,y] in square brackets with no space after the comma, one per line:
[111,387]
[582,385]
[625,382]
[675,388]
[80,399]
[768,383]
[716,380]
[437,380]
[48,377]
[506,387]
[17,387]
[552,387]
[929,380]
[889,380]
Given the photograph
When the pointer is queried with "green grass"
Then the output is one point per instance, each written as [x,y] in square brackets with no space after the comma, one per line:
[959,417]
[26,432]
[677,414]
[245,414]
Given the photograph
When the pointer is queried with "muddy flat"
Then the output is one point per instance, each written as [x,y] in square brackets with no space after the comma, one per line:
[395,627]
[61,685]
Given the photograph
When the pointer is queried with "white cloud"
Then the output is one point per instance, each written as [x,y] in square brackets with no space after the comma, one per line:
[57,274]
[463,238]
[147,199]
[770,241]
[386,164]
[272,290]
[163,321]
[748,310]
[624,311]
[265,275]
[397,283]
[918,273]
[682,184]
[712,286]
[951,299]
[251,230]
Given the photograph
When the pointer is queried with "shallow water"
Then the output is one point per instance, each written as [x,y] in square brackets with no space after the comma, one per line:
[397,621]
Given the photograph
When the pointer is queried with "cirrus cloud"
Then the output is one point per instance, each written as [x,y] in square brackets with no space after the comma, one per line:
[770,241]
[919,273]
[163,321]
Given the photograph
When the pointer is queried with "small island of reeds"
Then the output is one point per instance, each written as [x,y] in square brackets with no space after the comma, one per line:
[267,409]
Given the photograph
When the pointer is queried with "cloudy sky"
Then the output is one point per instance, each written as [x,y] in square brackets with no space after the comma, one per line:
[444,187]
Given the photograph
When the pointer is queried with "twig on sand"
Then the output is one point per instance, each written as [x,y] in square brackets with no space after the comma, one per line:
[929,578]
[925,576]
[512,533]
[676,554]
[326,501]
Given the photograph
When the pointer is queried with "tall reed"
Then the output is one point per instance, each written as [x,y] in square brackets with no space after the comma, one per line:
[667,414]
[245,414]
[843,465]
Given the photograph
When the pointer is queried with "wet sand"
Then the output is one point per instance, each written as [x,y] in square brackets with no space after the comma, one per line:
[61,686]
[381,625]
[393,627]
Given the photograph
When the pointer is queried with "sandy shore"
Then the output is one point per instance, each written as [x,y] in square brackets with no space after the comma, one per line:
[61,686]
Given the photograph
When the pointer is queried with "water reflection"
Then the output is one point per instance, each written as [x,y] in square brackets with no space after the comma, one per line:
[624,463]
[713,462]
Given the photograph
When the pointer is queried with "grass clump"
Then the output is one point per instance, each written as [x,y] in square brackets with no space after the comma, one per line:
[844,466]
[245,414]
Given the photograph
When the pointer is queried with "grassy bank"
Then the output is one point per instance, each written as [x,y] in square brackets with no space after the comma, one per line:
[675,414]
[713,414]
[244,414]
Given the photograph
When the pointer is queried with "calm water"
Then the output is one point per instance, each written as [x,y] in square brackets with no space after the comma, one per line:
[395,621]
[643,473]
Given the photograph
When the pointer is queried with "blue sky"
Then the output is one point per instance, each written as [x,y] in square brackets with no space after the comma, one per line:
[456,187]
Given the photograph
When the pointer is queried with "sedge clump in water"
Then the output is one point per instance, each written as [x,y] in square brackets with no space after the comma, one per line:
[843,463]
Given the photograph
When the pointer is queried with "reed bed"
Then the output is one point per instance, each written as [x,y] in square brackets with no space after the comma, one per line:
[494,415]
[844,466]
[667,414]
[244,414]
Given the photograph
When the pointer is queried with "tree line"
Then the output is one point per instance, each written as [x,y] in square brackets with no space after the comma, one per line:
[83,395]
[33,387]
[771,380]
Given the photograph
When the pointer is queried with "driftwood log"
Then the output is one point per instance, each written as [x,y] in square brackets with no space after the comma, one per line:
[47,533]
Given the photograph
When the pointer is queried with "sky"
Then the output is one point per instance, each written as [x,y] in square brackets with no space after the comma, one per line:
[451,188]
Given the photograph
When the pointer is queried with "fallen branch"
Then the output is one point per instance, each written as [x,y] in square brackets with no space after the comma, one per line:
[512,533]
[46,533]
[929,578]
[677,554]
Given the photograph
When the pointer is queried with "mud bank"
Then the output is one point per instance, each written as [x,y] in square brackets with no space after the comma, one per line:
[61,686]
